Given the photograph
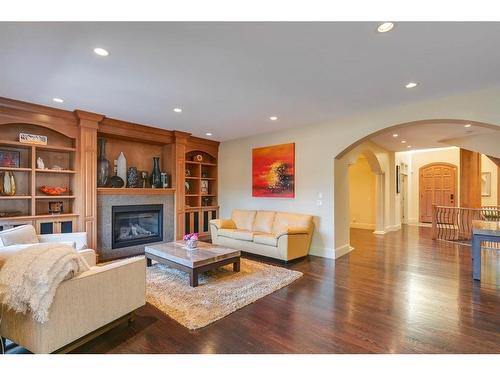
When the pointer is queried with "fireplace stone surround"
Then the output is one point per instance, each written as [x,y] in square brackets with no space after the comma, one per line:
[105,205]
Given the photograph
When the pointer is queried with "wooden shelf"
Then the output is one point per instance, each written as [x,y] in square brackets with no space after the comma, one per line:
[54,197]
[208,195]
[14,197]
[135,191]
[67,171]
[201,208]
[192,178]
[14,169]
[35,217]
[40,147]
[191,195]
[201,163]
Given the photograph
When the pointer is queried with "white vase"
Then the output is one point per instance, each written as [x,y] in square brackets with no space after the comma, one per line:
[121,167]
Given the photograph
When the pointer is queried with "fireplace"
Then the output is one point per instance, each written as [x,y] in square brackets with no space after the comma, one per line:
[136,225]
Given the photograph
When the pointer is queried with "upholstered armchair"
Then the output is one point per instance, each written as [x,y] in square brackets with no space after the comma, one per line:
[84,306]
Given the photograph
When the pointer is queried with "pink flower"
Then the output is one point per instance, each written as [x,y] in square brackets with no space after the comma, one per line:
[190,236]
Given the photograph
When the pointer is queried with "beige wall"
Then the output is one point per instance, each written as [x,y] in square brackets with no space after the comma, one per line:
[488,166]
[316,147]
[361,195]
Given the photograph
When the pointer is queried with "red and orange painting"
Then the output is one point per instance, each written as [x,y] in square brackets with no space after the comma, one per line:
[273,171]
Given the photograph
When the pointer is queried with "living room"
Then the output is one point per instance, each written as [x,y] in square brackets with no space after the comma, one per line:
[249,187]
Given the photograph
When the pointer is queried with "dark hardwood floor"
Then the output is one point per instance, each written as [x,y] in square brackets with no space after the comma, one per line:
[400,293]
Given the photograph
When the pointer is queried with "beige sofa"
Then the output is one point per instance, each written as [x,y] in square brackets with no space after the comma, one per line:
[279,235]
[84,305]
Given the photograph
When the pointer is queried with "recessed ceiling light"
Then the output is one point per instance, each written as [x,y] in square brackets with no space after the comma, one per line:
[178,110]
[101,51]
[273,118]
[411,85]
[403,141]
[58,100]
[409,146]
[467,125]
[385,27]
[395,135]
[208,134]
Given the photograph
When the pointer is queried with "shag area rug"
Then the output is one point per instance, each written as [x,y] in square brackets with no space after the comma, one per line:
[220,292]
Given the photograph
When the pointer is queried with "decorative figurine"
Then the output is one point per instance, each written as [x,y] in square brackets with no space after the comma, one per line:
[144,178]
[39,163]
[121,170]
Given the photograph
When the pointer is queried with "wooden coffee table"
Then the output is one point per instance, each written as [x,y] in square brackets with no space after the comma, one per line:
[204,258]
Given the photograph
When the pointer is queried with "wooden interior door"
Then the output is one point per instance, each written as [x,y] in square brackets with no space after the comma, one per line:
[438,185]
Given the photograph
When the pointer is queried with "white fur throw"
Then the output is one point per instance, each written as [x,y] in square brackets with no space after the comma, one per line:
[29,279]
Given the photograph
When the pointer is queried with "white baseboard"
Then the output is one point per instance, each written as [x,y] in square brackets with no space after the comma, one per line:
[393,228]
[379,232]
[362,226]
[343,250]
[324,253]
[330,253]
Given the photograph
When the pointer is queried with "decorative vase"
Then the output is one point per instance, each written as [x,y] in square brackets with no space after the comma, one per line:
[116,182]
[191,244]
[8,183]
[132,178]
[102,165]
[156,174]
[121,167]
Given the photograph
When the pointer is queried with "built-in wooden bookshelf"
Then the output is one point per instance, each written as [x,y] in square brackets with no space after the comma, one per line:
[200,192]
[29,202]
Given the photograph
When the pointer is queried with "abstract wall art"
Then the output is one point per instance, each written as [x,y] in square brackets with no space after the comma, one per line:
[273,171]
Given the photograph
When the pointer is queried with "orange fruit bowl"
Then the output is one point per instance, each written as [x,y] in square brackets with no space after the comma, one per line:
[53,190]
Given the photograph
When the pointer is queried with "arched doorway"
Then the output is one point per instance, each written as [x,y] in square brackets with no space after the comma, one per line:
[343,190]
[389,216]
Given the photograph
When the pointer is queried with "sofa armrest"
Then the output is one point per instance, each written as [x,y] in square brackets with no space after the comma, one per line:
[89,256]
[79,238]
[223,223]
[292,231]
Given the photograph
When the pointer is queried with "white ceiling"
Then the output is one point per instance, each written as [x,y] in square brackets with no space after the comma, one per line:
[423,136]
[230,77]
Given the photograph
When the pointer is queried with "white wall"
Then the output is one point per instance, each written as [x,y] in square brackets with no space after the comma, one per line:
[488,166]
[316,147]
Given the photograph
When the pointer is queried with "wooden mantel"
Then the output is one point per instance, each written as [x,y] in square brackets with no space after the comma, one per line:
[134,191]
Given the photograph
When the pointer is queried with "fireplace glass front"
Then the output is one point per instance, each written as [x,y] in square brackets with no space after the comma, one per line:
[136,225]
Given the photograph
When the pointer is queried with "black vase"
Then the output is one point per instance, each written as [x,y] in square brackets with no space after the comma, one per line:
[156,174]
[102,165]
[132,178]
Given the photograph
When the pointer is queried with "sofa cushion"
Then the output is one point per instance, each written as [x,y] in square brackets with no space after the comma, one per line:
[265,239]
[236,234]
[284,220]
[264,221]
[226,232]
[23,234]
[243,219]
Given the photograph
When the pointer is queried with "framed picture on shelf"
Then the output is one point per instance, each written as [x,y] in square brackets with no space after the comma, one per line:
[10,159]
[56,207]
[204,187]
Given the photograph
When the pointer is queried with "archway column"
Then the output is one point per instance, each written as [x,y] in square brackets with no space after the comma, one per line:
[380,203]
